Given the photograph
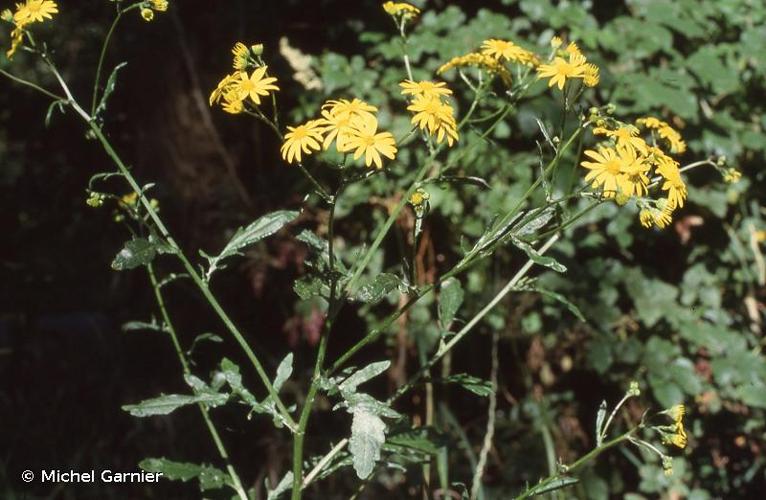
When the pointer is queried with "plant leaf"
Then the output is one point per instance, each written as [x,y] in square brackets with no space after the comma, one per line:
[244,236]
[360,376]
[537,258]
[209,477]
[367,438]
[282,487]
[600,416]
[375,291]
[284,370]
[137,252]
[554,485]
[450,300]
[111,82]
[165,404]
[476,385]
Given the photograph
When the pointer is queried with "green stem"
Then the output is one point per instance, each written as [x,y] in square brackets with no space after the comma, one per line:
[32,85]
[236,483]
[102,56]
[176,249]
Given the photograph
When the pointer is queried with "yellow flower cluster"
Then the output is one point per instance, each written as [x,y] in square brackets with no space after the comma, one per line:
[234,90]
[568,64]
[621,168]
[430,109]
[150,6]
[664,131]
[352,125]
[29,12]
[405,10]
[478,60]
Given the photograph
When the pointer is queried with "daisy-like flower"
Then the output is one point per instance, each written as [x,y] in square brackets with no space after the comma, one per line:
[364,139]
[634,179]
[590,76]
[651,216]
[302,139]
[419,198]
[255,85]
[224,87]
[478,60]
[605,169]
[401,9]
[678,436]
[241,56]
[573,50]
[350,109]
[336,128]
[624,136]
[674,184]
[424,88]
[503,49]
[34,11]
[436,116]
[561,69]
[147,14]
[665,131]
[232,104]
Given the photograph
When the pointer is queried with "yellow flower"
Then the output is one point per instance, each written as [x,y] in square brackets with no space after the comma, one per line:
[665,131]
[17,38]
[624,136]
[401,9]
[660,217]
[366,140]
[301,139]
[731,175]
[336,126]
[674,184]
[34,11]
[128,200]
[590,75]
[556,42]
[424,88]
[224,87]
[241,56]
[677,413]
[419,198]
[435,115]
[355,108]
[502,49]
[573,50]
[561,69]
[677,438]
[634,168]
[159,5]
[667,465]
[255,85]
[147,14]
[478,60]
[232,104]
[605,170]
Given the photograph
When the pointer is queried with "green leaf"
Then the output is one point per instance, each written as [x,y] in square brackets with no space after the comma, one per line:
[137,252]
[166,404]
[600,416]
[554,485]
[210,337]
[753,395]
[132,326]
[450,300]
[244,236]
[422,439]
[209,477]
[360,376]
[559,298]
[49,114]
[230,372]
[654,299]
[475,385]
[360,401]
[282,487]
[310,286]
[111,82]
[537,258]
[382,285]
[284,370]
[367,438]
[535,222]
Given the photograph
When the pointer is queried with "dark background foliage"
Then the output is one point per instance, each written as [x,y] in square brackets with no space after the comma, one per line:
[666,308]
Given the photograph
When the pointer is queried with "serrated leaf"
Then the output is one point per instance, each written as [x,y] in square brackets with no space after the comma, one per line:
[367,438]
[230,372]
[450,300]
[360,376]
[111,83]
[137,252]
[282,487]
[359,400]
[209,477]
[476,385]
[244,236]
[310,286]
[166,404]
[375,291]
[600,416]
[538,258]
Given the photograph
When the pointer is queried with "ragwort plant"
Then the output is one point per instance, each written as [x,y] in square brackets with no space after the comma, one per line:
[633,163]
